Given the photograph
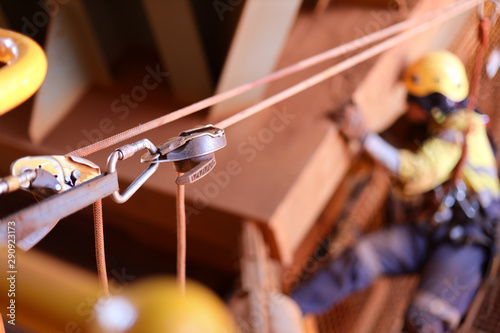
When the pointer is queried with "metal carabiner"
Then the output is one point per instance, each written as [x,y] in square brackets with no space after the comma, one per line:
[126,152]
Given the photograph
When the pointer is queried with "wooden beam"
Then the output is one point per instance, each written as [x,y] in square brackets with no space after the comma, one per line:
[180,46]
[258,42]
[309,193]
[74,62]
[382,89]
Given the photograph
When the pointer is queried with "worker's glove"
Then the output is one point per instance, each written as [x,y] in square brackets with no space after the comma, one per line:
[350,123]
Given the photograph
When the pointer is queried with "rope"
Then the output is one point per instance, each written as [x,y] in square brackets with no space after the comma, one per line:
[346,64]
[449,11]
[99,248]
[181,237]
[483,36]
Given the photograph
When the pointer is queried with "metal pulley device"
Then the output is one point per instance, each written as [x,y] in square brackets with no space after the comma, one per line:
[191,151]
[44,176]
[52,174]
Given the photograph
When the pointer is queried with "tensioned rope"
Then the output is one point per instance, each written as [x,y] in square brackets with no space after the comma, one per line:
[99,248]
[344,65]
[484,27]
[181,237]
[417,25]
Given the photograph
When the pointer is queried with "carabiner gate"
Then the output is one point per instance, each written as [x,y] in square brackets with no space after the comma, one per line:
[126,152]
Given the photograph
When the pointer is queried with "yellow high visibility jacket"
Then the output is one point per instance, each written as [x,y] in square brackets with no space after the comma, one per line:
[434,163]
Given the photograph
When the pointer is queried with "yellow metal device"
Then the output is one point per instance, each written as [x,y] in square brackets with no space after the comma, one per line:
[23,70]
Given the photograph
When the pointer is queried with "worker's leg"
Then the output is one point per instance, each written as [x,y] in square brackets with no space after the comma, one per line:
[392,251]
[448,285]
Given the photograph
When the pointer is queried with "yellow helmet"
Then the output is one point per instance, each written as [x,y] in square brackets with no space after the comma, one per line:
[156,305]
[438,79]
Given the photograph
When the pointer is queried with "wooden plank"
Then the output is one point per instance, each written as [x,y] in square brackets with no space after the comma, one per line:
[382,88]
[308,195]
[266,310]
[256,276]
[258,42]
[372,310]
[323,226]
[180,46]
[74,62]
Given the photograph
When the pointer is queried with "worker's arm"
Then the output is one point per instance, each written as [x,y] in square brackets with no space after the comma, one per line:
[419,171]
[351,125]
[430,166]
[383,152]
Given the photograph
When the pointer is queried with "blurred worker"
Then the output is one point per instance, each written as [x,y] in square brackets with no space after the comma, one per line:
[156,305]
[451,248]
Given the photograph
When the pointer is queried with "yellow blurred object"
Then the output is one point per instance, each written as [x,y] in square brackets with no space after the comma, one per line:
[157,305]
[438,72]
[23,71]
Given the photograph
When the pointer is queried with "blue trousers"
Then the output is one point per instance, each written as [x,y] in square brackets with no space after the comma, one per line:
[450,275]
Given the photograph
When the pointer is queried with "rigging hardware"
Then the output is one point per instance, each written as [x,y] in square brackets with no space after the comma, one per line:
[128,151]
[192,152]
[45,176]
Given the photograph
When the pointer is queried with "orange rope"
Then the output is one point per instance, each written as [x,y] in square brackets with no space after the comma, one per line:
[342,66]
[436,16]
[181,237]
[483,36]
[99,248]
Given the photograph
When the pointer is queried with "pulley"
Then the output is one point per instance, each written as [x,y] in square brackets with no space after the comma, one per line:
[192,152]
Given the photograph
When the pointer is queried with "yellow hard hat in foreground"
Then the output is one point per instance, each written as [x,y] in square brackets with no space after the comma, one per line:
[157,305]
